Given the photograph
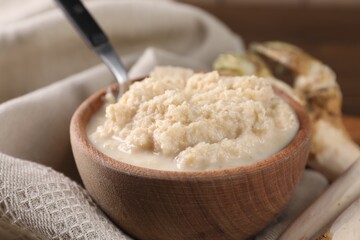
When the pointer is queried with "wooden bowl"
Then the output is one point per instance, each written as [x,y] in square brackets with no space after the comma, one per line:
[233,203]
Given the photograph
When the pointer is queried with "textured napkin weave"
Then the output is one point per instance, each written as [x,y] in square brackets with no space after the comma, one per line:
[44,58]
[40,203]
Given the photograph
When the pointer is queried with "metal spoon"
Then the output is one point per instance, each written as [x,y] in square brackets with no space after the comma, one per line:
[95,39]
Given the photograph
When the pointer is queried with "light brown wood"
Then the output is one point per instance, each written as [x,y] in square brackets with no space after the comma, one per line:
[233,203]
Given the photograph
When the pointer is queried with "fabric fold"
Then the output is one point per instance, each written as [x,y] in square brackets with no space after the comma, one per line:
[45,48]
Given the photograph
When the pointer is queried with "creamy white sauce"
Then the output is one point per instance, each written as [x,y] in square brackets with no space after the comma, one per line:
[109,146]
[180,121]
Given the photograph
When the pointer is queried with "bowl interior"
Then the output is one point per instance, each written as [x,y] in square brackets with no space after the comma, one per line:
[95,102]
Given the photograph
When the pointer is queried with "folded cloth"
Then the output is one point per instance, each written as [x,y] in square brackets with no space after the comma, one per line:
[41,196]
[45,48]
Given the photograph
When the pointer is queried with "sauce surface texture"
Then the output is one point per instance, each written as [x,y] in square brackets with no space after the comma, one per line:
[179,120]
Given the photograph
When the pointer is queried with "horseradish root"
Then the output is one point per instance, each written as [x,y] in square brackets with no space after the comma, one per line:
[346,226]
[327,207]
[332,150]
[315,86]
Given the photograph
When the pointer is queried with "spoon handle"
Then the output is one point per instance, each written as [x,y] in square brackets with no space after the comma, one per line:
[84,22]
[95,38]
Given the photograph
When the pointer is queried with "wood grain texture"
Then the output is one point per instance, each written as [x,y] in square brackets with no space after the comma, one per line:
[225,204]
[328,33]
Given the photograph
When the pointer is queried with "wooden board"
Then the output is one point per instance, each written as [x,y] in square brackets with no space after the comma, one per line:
[352,123]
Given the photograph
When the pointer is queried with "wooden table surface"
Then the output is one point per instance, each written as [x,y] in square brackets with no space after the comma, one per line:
[331,34]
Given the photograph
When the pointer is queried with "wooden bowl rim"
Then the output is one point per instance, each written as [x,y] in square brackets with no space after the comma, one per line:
[79,134]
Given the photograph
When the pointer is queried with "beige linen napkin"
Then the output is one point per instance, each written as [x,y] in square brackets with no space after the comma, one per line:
[43,58]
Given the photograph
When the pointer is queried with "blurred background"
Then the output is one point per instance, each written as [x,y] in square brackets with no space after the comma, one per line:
[327,29]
